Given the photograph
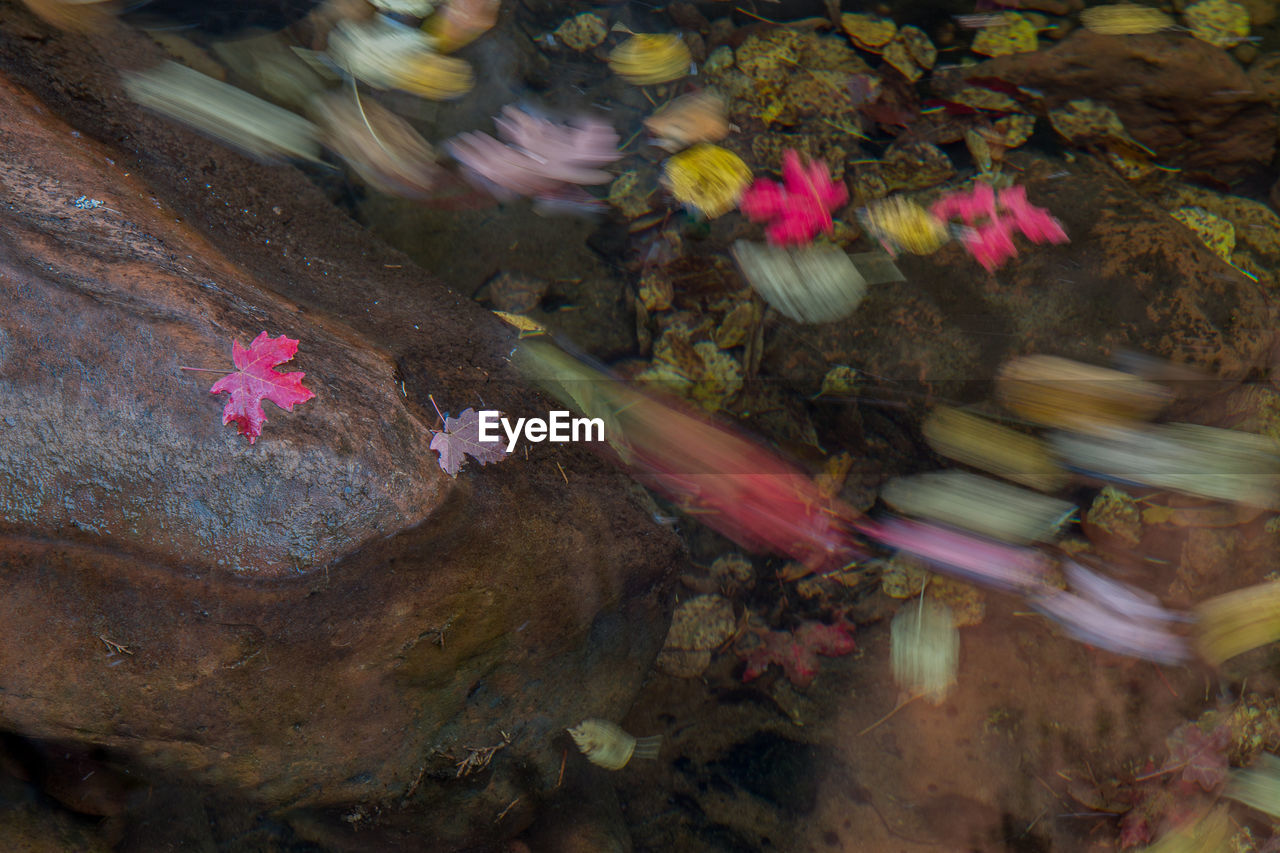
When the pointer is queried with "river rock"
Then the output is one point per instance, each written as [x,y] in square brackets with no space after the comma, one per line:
[322,623]
[1187,100]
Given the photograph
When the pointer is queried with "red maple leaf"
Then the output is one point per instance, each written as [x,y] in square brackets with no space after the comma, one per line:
[795,651]
[255,381]
[800,207]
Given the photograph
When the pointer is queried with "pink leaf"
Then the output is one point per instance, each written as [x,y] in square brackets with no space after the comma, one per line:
[539,157]
[460,438]
[990,220]
[255,381]
[800,207]
[797,651]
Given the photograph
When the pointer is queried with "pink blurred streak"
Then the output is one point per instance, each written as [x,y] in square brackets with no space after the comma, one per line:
[539,157]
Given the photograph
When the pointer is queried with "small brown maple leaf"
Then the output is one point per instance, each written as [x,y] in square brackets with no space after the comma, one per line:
[460,438]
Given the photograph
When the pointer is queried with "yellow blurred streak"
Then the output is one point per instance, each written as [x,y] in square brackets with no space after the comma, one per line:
[434,76]
[987,445]
[461,22]
[1239,621]
[1211,833]
[80,17]
[645,60]
[1068,394]
[708,178]
[1124,19]
[223,111]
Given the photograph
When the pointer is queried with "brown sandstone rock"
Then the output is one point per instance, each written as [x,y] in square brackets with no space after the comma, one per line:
[322,620]
[1186,99]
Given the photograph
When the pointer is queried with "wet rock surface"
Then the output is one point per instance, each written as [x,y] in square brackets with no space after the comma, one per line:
[322,623]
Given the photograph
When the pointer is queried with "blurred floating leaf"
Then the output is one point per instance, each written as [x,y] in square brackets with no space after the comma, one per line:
[461,22]
[1209,833]
[708,178]
[592,393]
[410,8]
[997,449]
[434,76]
[1123,19]
[901,224]
[375,50]
[1219,22]
[647,59]
[538,157]
[701,116]
[925,646]
[978,504]
[1208,462]
[1068,394]
[387,55]
[1239,621]
[737,487]
[816,284]
[268,64]
[1259,786]
[378,145]
[228,114]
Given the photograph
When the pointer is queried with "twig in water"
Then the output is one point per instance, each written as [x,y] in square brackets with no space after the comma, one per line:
[904,703]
